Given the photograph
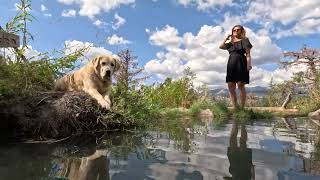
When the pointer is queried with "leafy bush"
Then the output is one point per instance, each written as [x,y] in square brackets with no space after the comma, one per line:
[132,104]
[171,93]
[30,77]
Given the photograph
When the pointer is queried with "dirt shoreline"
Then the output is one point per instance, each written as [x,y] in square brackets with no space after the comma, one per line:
[55,115]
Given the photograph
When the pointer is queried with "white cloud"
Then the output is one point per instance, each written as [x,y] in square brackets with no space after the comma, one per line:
[68,13]
[167,37]
[99,23]
[203,5]
[229,21]
[30,53]
[201,53]
[68,2]
[312,13]
[119,21]
[284,11]
[93,51]
[43,8]
[47,14]
[92,8]
[298,17]
[117,40]
[303,27]
[71,46]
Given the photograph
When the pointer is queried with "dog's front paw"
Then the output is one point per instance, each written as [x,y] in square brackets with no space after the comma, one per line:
[105,105]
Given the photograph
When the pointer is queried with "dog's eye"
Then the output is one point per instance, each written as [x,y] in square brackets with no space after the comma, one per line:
[103,63]
[112,64]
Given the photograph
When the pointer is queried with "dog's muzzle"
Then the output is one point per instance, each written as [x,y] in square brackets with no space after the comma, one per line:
[107,74]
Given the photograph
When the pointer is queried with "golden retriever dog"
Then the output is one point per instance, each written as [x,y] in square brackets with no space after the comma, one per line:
[95,78]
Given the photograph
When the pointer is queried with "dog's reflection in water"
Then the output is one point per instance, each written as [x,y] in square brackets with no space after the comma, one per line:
[93,167]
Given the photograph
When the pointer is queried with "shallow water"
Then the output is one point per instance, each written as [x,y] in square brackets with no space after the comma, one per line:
[281,149]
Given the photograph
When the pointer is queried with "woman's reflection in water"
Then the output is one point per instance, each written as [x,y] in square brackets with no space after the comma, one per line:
[240,157]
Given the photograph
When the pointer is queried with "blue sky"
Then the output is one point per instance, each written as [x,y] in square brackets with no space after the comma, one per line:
[169,35]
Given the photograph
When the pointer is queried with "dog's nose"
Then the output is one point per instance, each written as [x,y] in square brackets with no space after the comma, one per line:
[108,72]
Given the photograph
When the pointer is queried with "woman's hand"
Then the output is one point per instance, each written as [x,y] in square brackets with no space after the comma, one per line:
[249,67]
[228,37]
[223,44]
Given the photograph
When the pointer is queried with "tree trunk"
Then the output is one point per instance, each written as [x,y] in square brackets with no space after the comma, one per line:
[286,101]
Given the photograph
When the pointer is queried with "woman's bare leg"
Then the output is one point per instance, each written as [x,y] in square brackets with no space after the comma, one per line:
[232,93]
[243,93]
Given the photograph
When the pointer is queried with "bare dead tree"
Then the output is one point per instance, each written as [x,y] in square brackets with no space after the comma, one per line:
[130,74]
[303,80]
[309,57]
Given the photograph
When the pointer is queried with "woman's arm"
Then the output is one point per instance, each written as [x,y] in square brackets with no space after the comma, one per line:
[223,44]
[248,46]
[248,57]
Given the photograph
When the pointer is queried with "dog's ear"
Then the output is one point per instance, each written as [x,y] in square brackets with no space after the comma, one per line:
[117,63]
[96,62]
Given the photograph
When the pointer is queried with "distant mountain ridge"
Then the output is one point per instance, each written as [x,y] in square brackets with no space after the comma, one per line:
[258,90]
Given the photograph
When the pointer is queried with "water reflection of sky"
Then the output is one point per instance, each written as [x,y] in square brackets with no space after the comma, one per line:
[276,153]
[260,150]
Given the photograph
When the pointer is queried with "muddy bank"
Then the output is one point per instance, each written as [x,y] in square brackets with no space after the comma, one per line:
[55,115]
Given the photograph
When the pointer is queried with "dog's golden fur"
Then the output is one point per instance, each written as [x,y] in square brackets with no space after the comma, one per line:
[95,78]
[95,166]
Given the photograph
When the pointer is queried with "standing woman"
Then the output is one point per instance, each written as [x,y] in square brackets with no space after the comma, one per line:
[239,63]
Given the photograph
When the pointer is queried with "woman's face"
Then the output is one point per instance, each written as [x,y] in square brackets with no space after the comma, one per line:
[236,31]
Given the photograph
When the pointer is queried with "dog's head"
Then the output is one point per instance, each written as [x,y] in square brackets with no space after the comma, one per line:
[105,66]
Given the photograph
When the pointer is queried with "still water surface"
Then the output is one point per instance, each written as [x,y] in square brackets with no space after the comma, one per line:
[282,149]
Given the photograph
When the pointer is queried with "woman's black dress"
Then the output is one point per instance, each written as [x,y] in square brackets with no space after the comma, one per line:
[237,63]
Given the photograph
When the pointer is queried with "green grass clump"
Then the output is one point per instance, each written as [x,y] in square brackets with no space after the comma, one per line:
[241,113]
[196,107]
[220,110]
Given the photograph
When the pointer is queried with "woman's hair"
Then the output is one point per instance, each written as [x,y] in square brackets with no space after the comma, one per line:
[242,34]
